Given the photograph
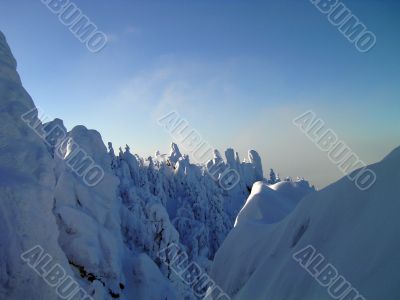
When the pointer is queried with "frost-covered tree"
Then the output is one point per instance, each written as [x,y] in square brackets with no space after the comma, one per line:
[167,199]
[272,177]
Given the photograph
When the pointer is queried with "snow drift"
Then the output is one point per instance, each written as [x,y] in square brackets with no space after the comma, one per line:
[271,203]
[356,231]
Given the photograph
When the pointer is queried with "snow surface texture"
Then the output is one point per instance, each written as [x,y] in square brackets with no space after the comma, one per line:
[357,231]
[107,237]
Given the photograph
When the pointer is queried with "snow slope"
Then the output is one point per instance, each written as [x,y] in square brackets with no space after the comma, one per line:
[356,231]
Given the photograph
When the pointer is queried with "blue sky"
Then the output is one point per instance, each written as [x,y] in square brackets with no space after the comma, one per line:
[238,71]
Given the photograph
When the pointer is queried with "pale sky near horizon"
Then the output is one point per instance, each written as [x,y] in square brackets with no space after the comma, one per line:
[238,71]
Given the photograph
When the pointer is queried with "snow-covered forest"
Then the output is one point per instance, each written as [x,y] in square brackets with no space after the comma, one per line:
[80,219]
[107,237]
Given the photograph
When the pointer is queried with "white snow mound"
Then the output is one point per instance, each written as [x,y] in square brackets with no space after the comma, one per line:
[356,231]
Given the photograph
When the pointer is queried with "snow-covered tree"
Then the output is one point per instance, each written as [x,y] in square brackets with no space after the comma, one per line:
[272,177]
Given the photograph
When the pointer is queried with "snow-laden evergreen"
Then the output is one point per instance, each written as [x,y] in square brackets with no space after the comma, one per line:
[179,201]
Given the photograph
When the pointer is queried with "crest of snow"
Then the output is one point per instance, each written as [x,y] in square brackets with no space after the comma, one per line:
[356,231]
